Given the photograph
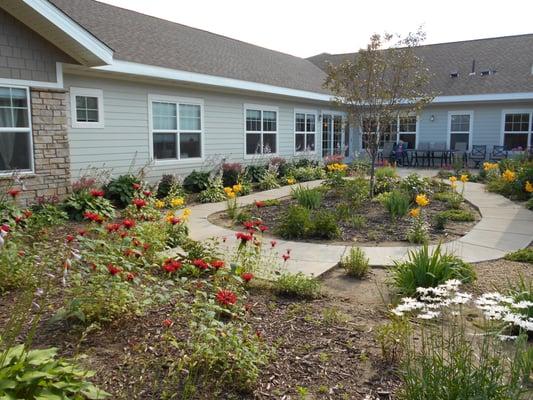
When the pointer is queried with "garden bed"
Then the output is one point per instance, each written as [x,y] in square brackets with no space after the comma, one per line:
[377,227]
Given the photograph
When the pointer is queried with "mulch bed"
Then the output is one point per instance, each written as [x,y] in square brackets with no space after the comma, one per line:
[379,229]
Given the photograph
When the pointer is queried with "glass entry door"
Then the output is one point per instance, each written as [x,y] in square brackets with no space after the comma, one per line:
[332,135]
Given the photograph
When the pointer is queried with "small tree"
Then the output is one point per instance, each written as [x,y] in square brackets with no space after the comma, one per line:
[381,83]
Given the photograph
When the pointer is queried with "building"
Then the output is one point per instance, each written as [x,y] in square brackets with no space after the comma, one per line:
[88,85]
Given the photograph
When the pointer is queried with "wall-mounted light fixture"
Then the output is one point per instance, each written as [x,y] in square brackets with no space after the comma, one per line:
[432,118]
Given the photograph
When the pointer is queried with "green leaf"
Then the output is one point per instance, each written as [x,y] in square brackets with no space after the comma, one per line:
[93,393]
[31,375]
[37,357]
[48,395]
[7,384]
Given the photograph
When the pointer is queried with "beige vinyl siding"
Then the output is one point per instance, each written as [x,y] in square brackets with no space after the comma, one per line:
[123,143]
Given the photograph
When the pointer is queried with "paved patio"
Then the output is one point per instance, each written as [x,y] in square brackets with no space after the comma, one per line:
[504,227]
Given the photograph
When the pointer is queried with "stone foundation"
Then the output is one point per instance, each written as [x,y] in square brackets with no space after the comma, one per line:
[51,148]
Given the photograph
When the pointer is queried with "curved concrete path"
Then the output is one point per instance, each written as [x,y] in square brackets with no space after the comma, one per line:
[504,227]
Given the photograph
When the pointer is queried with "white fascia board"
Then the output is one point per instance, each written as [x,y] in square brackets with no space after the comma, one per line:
[483,97]
[131,68]
[72,29]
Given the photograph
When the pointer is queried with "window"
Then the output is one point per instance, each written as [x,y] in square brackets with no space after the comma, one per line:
[176,128]
[87,107]
[261,129]
[15,132]
[305,132]
[517,130]
[407,131]
[401,129]
[460,129]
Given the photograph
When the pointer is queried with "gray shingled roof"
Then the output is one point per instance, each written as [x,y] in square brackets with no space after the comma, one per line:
[144,39]
[511,57]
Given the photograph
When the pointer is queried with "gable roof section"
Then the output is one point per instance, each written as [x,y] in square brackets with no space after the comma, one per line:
[511,57]
[59,29]
[139,38]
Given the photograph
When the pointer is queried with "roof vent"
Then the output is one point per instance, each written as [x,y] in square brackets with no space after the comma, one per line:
[454,74]
[473,70]
[485,72]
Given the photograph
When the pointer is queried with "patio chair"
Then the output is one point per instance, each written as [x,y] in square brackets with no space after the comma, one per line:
[421,154]
[459,153]
[498,153]
[386,152]
[438,150]
[478,154]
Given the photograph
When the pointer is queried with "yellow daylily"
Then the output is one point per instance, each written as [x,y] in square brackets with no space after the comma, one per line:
[487,166]
[415,212]
[453,179]
[231,195]
[464,178]
[509,176]
[177,202]
[291,181]
[186,213]
[422,200]
[529,187]
[159,204]
[237,188]
[336,167]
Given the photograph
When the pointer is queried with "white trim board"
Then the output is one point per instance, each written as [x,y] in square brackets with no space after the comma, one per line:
[38,84]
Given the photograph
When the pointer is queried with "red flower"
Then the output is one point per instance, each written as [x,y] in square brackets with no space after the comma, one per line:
[139,203]
[136,186]
[97,193]
[13,192]
[200,264]
[247,276]
[146,246]
[285,257]
[171,265]
[130,277]
[226,297]
[112,228]
[18,219]
[147,193]
[245,237]
[217,264]
[5,228]
[113,269]
[167,323]
[263,228]
[93,217]
[257,222]
[259,203]
[273,243]
[128,223]
[27,213]
[82,232]
[248,224]
[174,220]
[69,238]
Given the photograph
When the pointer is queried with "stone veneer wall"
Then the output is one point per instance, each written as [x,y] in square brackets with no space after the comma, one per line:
[51,147]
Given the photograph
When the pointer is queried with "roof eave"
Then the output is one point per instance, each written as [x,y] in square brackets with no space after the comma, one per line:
[61,30]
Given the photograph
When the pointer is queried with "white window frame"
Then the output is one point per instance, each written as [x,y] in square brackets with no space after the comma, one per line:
[398,133]
[333,113]
[306,112]
[176,100]
[86,92]
[470,129]
[517,111]
[261,107]
[28,130]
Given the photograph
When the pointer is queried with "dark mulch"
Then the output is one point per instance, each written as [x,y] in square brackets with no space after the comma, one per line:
[379,229]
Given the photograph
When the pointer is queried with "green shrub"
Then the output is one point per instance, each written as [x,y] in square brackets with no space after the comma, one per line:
[164,185]
[46,215]
[298,285]
[121,190]
[457,215]
[523,255]
[324,225]
[80,202]
[523,291]
[355,191]
[529,204]
[425,269]
[231,172]
[269,180]
[453,199]
[355,263]
[386,172]
[392,338]
[396,204]
[16,271]
[39,374]
[414,185]
[309,198]
[343,212]
[254,173]
[213,193]
[440,220]
[306,173]
[196,181]
[295,223]
[357,221]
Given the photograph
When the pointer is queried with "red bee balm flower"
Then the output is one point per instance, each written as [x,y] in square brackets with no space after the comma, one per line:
[113,269]
[136,186]
[112,228]
[93,217]
[5,228]
[130,277]
[217,264]
[174,220]
[167,323]
[259,204]
[139,203]
[273,243]
[245,237]
[247,276]
[263,228]
[97,193]
[69,238]
[248,224]
[147,193]
[128,223]
[13,192]
[171,265]
[200,264]
[285,257]
[226,297]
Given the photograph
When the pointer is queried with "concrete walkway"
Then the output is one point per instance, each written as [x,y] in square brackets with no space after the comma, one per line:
[504,227]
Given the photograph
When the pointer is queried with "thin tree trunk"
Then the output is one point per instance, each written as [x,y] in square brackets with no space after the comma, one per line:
[372,174]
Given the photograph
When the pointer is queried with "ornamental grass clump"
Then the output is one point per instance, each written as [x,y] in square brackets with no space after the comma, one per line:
[298,285]
[428,269]
[355,263]
[397,204]
[309,198]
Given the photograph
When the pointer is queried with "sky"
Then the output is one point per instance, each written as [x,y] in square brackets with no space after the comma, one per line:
[307,27]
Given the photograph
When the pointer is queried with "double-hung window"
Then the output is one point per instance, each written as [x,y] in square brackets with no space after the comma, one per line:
[176,128]
[16,149]
[517,130]
[87,107]
[304,132]
[261,129]
[460,123]
[407,130]
[399,129]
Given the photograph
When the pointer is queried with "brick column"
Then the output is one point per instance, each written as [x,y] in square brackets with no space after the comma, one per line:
[50,144]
